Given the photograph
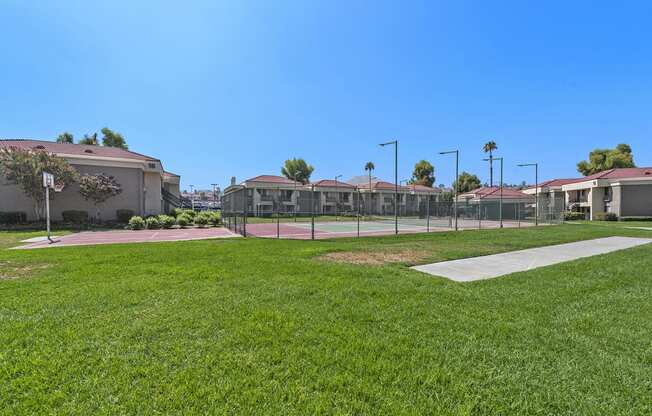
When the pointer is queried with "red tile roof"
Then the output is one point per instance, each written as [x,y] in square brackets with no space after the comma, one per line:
[273,179]
[619,173]
[487,192]
[74,149]
[554,183]
[332,184]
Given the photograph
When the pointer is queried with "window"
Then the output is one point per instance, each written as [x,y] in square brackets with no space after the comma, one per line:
[152,165]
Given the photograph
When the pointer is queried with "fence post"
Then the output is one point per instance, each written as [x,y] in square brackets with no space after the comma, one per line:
[480,214]
[358,212]
[518,214]
[312,213]
[278,222]
[428,215]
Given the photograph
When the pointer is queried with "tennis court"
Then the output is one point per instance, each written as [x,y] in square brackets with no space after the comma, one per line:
[375,227]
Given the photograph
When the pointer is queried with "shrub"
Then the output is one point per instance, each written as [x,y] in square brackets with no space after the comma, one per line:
[190,213]
[75,217]
[13,217]
[574,216]
[215,218]
[605,216]
[201,220]
[152,223]
[124,215]
[635,218]
[176,212]
[183,220]
[136,223]
[166,221]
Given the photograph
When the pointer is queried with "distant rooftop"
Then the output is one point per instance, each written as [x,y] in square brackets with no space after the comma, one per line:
[74,149]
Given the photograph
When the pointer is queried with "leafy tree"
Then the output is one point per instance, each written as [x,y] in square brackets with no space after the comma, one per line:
[423,174]
[297,170]
[112,138]
[489,147]
[604,159]
[92,139]
[98,188]
[446,196]
[65,137]
[25,168]
[467,183]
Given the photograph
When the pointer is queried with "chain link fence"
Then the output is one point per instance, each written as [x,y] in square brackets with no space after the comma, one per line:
[315,214]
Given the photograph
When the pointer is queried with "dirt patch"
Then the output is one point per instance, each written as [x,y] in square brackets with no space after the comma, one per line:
[10,271]
[376,258]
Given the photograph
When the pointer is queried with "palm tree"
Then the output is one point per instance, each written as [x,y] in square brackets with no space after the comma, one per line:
[369,167]
[489,147]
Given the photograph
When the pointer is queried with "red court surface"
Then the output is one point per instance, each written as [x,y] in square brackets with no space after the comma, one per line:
[127,236]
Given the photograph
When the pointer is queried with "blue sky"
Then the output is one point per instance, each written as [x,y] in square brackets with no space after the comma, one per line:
[222,88]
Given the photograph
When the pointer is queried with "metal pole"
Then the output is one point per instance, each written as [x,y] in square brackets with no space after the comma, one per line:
[457,183]
[480,213]
[47,212]
[518,214]
[278,222]
[396,187]
[395,143]
[312,213]
[536,194]
[501,192]
[358,212]
[428,215]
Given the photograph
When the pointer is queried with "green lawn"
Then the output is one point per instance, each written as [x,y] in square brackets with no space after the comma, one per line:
[257,326]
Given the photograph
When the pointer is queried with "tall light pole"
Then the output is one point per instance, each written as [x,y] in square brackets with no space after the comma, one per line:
[501,187]
[536,189]
[457,179]
[214,185]
[395,143]
[192,196]
[337,201]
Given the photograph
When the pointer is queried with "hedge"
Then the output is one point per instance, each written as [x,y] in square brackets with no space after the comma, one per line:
[13,217]
[75,217]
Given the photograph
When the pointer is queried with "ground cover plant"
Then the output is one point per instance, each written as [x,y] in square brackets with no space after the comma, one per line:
[264,326]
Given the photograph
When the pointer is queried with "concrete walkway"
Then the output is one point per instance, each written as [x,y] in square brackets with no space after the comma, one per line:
[487,267]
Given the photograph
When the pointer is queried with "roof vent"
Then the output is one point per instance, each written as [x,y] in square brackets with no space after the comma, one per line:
[88,151]
[40,147]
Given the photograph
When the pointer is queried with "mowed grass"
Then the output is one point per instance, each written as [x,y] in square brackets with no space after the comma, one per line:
[261,326]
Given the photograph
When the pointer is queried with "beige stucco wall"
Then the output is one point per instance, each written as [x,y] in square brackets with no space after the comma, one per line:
[596,197]
[130,179]
[152,188]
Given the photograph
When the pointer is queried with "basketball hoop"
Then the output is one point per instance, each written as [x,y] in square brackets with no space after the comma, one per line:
[58,187]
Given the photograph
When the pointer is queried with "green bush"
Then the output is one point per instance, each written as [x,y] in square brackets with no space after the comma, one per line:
[13,217]
[166,221]
[605,216]
[176,212]
[215,218]
[201,220]
[574,216]
[75,217]
[124,215]
[136,223]
[183,220]
[152,223]
[635,218]
[190,213]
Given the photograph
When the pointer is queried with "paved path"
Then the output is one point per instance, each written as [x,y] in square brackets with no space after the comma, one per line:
[126,236]
[487,267]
